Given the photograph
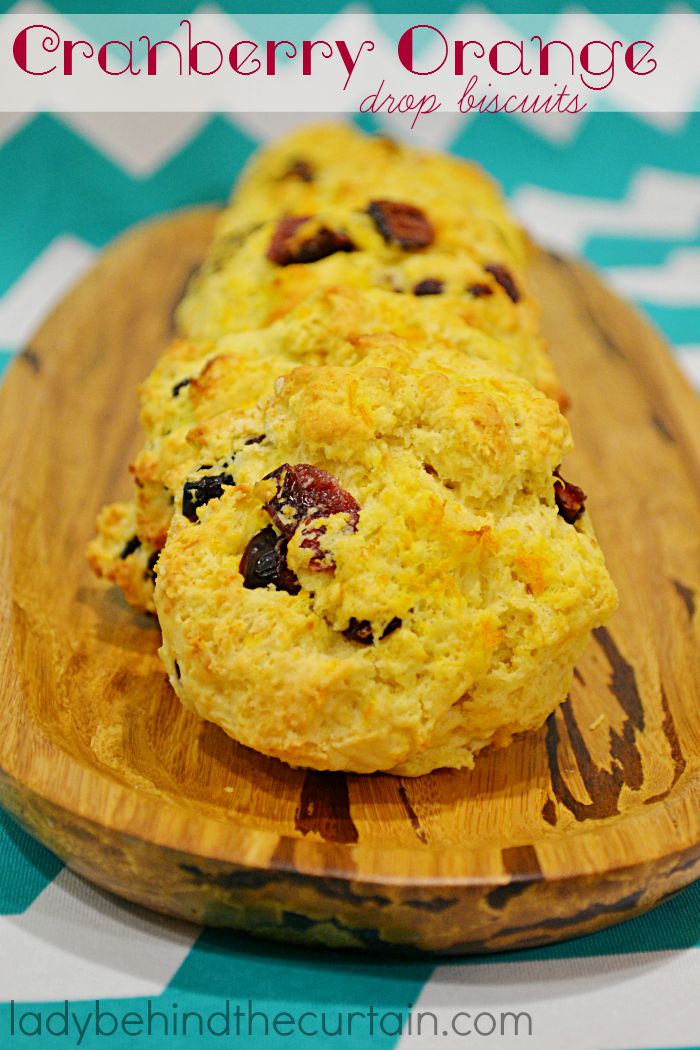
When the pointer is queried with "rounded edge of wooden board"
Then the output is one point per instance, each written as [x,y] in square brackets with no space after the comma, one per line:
[339,909]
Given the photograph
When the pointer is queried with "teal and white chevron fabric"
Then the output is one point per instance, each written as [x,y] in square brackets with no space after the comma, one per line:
[622,191]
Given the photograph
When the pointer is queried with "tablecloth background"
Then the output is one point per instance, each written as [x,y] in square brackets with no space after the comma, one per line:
[621,190]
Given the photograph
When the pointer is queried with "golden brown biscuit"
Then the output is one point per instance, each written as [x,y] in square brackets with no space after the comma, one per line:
[193,382]
[388,581]
[117,554]
[336,165]
[267,272]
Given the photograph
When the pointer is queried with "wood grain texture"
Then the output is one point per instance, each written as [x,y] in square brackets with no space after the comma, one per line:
[589,821]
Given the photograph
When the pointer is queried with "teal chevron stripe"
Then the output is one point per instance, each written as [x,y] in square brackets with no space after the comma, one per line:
[5,358]
[679,324]
[606,153]
[27,868]
[93,197]
[504,7]
[635,251]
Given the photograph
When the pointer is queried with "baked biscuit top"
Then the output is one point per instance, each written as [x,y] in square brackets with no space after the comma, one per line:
[326,165]
[389,548]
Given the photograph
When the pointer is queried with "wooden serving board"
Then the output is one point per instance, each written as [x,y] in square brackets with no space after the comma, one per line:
[589,821]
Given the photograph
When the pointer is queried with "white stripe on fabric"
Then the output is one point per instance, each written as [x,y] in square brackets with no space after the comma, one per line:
[41,286]
[662,204]
[676,282]
[76,942]
[689,360]
[140,143]
[10,123]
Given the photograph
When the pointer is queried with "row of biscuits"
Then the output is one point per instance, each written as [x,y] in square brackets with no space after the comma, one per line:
[347,510]
[246,318]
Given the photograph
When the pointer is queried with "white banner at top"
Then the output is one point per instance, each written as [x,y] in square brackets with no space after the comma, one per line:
[469,62]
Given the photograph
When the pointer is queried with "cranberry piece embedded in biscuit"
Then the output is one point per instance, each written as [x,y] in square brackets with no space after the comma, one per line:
[429,286]
[151,566]
[570,499]
[402,224]
[129,547]
[479,291]
[264,562]
[285,249]
[305,492]
[504,277]
[197,493]
[299,169]
[361,630]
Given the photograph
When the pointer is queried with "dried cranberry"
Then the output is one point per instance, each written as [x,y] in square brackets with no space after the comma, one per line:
[255,440]
[361,630]
[570,499]
[129,547]
[479,291]
[305,492]
[197,493]
[279,249]
[393,625]
[179,386]
[284,250]
[503,277]
[151,566]
[264,562]
[429,286]
[402,224]
[300,169]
